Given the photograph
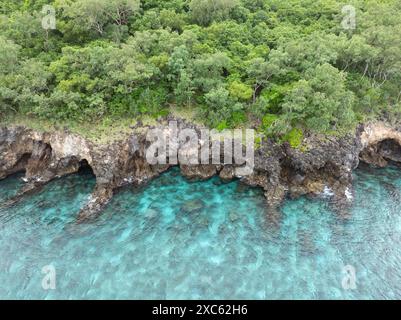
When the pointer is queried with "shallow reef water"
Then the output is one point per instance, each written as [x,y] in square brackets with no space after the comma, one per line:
[176,239]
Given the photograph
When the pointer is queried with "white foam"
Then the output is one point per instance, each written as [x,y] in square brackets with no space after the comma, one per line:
[348,194]
[327,192]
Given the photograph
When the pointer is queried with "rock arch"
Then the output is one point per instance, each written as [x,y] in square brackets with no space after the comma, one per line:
[380,144]
[85,168]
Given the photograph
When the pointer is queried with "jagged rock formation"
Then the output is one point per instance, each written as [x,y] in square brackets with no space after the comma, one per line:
[326,164]
[380,144]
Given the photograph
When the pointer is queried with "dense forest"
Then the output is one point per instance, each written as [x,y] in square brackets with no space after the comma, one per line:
[283,67]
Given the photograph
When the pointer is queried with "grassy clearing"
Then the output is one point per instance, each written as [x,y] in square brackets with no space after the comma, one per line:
[104,132]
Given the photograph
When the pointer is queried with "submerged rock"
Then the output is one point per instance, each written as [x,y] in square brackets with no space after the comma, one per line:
[233,216]
[306,243]
[192,206]
[392,190]
[151,213]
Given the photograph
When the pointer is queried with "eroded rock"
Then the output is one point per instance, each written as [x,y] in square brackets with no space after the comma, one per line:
[325,164]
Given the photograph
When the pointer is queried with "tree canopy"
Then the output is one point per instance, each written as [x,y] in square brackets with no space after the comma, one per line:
[270,64]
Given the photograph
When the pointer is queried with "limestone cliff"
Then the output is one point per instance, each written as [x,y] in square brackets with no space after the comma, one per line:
[325,164]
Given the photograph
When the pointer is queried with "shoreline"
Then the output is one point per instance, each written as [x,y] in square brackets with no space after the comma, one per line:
[280,170]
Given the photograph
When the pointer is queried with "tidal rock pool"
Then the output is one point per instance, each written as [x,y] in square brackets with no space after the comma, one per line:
[175,239]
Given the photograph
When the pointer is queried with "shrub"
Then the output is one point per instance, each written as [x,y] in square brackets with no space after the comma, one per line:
[294,137]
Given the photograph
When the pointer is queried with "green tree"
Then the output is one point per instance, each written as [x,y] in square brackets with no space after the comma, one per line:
[240,90]
[260,73]
[205,11]
[181,73]
[321,101]
[9,65]
[209,70]
[96,15]
[221,107]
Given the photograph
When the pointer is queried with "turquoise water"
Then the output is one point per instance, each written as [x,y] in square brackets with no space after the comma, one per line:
[175,239]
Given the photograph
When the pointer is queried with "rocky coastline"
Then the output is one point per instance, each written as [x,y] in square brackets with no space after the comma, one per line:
[324,167]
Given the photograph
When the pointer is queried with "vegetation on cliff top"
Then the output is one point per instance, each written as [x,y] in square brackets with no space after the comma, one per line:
[281,66]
